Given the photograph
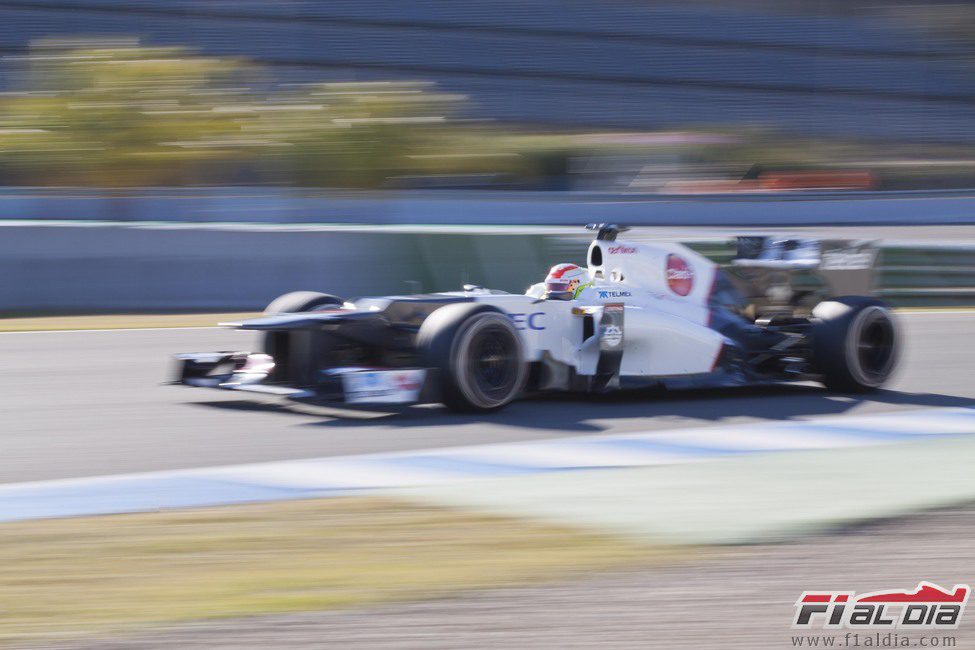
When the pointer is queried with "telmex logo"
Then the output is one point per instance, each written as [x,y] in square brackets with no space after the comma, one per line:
[680,276]
[927,607]
[614,294]
[621,250]
[528,321]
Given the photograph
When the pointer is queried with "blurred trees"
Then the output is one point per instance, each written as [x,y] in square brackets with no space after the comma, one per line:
[114,113]
[119,114]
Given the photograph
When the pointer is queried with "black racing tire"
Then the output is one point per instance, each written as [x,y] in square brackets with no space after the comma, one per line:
[478,354]
[855,343]
[296,302]
[301,301]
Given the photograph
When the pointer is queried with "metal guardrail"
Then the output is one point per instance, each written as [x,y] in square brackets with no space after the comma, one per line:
[929,275]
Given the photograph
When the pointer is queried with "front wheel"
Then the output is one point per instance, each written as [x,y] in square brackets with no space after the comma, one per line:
[278,343]
[478,353]
[855,343]
[302,301]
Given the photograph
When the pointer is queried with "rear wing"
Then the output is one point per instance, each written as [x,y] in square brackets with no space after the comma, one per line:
[846,266]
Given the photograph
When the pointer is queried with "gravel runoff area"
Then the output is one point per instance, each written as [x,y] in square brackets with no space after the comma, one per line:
[737,597]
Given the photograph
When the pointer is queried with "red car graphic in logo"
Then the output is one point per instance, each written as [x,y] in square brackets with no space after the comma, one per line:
[680,276]
[926,607]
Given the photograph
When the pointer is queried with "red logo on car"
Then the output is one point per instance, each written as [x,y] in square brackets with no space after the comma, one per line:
[406,381]
[680,276]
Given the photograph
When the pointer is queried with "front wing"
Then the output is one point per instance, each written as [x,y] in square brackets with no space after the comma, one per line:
[253,373]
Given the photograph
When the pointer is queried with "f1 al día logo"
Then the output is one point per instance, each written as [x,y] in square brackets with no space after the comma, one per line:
[925,608]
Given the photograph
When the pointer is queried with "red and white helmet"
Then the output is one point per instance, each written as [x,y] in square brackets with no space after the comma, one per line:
[565,279]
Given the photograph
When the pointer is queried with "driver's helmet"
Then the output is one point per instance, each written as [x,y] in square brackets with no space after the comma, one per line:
[564,281]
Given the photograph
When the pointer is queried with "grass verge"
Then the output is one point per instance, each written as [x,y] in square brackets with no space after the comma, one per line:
[116,321]
[71,577]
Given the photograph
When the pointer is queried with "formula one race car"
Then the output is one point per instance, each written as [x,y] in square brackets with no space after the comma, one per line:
[638,314]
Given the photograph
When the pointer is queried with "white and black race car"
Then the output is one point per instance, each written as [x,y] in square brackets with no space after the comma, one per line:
[648,313]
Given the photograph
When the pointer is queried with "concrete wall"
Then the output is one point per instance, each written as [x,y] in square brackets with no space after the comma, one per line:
[82,268]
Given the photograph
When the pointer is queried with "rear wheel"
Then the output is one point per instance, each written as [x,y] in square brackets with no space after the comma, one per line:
[855,343]
[478,353]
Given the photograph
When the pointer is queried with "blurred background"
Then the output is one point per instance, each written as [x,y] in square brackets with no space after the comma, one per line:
[169,164]
[550,113]
[623,96]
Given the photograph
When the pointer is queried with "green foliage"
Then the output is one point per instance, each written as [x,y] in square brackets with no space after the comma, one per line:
[118,114]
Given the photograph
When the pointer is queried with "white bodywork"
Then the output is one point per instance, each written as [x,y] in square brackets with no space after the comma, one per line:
[664,289]
[642,315]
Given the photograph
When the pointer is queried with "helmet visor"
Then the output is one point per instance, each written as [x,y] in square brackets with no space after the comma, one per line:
[557,286]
